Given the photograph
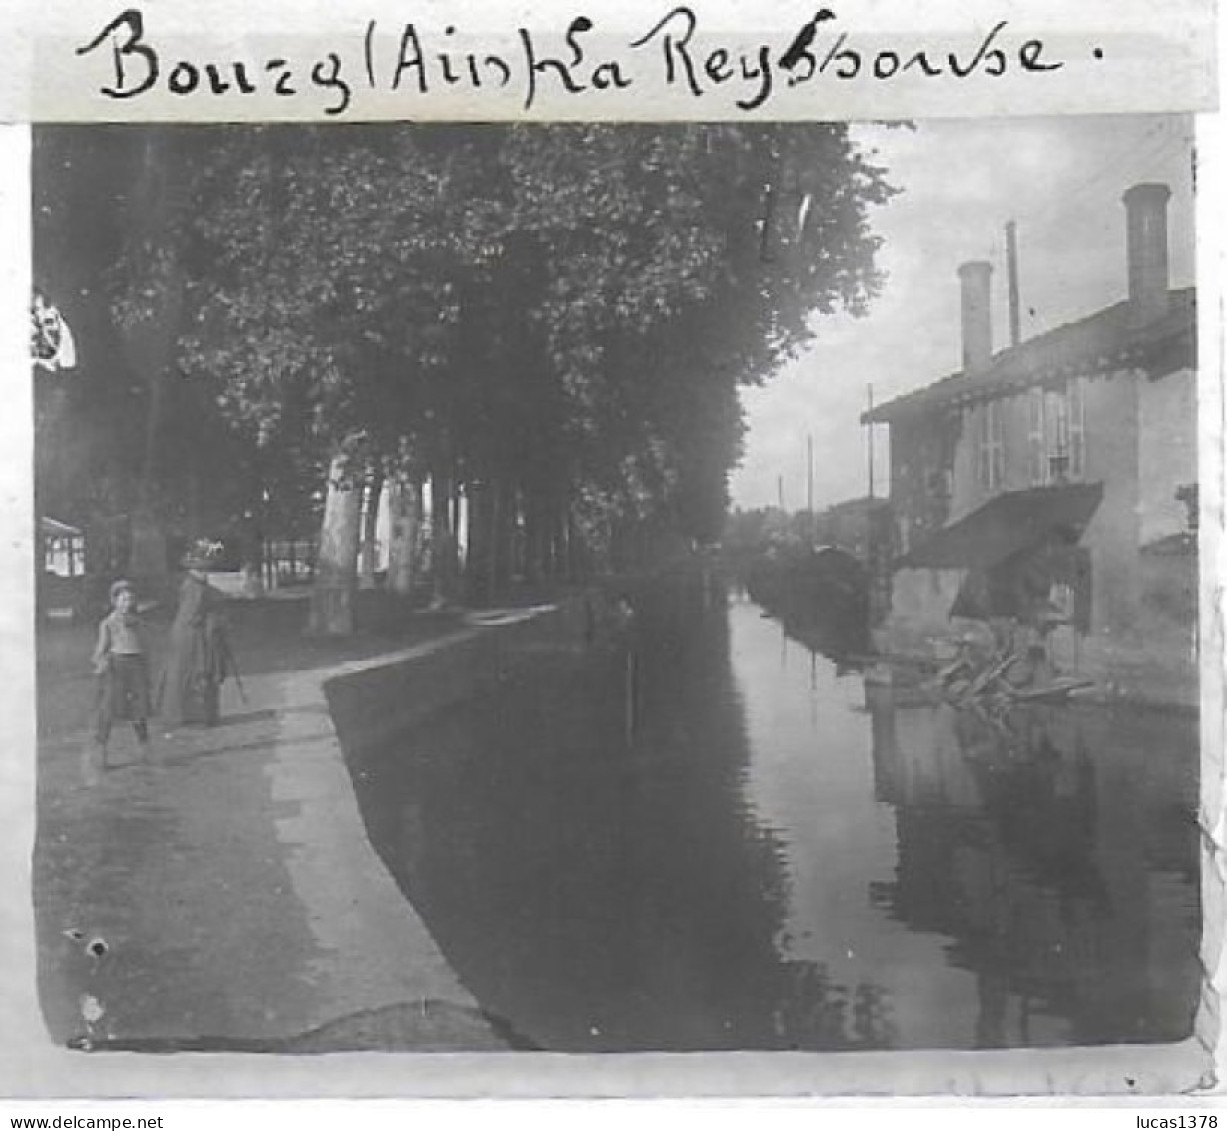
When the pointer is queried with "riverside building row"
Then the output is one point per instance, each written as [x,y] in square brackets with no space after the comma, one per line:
[1053,485]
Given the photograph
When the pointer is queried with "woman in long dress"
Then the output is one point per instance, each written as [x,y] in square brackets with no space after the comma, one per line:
[198,659]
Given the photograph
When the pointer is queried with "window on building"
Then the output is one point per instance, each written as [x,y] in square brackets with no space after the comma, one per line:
[1075,395]
[1036,455]
[991,446]
[1056,434]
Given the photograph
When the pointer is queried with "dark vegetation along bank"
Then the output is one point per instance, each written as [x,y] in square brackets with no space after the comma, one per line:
[527,340]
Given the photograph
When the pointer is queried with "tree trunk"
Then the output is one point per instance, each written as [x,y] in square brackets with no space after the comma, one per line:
[535,536]
[443,542]
[517,561]
[478,562]
[404,501]
[252,564]
[147,556]
[336,570]
[557,541]
[150,343]
[576,564]
[456,527]
[501,541]
[370,524]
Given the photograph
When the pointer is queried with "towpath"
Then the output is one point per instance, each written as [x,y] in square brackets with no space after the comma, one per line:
[225,896]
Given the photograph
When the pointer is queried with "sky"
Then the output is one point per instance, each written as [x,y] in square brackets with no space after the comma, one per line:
[1059,179]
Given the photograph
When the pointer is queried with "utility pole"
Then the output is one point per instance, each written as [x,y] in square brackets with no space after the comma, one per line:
[779,490]
[809,471]
[869,425]
[1011,259]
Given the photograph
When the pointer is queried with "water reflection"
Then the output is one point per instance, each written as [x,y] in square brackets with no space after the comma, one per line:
[1059,854]
[765,863]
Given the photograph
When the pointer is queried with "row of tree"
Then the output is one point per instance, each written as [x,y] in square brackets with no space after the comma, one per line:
[551,322]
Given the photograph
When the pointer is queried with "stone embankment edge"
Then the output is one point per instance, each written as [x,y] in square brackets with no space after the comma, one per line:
[371,947]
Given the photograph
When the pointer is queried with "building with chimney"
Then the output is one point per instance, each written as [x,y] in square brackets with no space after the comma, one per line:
[1053,484]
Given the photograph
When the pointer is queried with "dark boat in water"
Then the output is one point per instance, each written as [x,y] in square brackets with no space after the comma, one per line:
[819,593]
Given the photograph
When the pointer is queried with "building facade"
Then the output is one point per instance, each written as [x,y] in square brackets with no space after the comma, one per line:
[1054,483]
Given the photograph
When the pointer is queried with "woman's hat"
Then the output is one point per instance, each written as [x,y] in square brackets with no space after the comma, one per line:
[202,554]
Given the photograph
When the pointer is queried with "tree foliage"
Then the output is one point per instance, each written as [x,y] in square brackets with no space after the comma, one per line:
[554,320]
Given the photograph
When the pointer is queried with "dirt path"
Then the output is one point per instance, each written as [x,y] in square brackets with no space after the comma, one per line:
[226,896]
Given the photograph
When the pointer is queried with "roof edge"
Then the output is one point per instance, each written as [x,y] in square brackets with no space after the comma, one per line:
[1172,326]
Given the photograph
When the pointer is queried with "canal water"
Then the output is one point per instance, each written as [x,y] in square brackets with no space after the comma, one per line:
[753,850]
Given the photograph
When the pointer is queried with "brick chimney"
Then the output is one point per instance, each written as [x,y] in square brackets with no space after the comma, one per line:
[976,278]
[1146,248]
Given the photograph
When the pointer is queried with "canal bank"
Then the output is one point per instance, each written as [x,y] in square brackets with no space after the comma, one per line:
[225,897]
[767,859]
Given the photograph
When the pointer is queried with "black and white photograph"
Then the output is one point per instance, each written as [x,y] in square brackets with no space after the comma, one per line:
[618,588]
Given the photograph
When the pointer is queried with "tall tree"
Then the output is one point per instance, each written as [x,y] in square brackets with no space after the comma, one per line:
[550,320]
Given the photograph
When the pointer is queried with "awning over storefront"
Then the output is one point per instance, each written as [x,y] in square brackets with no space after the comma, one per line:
[1008,524]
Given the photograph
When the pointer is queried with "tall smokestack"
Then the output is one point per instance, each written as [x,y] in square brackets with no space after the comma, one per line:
[1146,250]
[976,278]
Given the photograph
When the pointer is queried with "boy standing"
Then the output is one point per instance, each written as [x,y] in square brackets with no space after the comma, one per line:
[120,661]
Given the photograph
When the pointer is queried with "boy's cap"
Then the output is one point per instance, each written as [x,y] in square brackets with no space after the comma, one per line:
[120,587]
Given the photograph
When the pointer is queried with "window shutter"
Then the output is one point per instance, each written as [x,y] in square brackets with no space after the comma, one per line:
[1077,429]
[1037,461]
[1056,431]
[978,416]
[996,445]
